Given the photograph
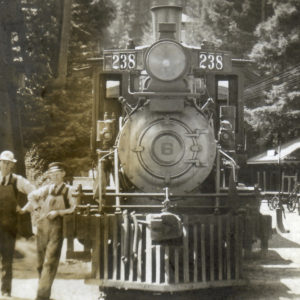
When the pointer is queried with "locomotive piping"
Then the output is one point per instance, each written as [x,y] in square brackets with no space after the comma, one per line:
[163,94]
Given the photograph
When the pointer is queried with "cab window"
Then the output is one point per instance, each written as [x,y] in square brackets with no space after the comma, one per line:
[112,89]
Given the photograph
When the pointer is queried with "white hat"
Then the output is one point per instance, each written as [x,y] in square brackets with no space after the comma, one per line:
[8,155]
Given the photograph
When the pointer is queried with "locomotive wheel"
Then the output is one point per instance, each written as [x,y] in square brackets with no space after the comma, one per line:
[275,202]
[291,204]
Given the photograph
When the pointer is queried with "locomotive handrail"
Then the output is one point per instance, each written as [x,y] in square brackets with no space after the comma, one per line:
[100,159]
[116,171]
[213,194]
[274,193]
[136,194]
[167,94]
[174,195]
[161,206]
[232,163]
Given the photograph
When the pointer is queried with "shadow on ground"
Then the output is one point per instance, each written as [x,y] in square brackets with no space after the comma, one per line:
[14,298]
[281,240]
[248,292]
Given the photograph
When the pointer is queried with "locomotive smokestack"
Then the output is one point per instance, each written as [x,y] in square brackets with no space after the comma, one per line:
[167,12]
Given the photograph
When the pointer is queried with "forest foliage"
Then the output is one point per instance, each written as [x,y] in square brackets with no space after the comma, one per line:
[276,50]
[267,32]
[56,121]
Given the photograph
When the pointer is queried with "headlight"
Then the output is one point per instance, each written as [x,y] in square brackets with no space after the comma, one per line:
[166,61]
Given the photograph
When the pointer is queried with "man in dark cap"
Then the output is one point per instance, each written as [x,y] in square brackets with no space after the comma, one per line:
[10,185]
[52,201]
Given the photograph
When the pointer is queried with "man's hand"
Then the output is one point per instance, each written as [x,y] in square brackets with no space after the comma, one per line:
[52,214]
[20,210]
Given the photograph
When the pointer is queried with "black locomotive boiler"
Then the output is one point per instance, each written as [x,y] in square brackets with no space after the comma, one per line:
[168,213]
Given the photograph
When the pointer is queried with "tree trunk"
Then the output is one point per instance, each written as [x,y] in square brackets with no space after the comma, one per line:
[64,43]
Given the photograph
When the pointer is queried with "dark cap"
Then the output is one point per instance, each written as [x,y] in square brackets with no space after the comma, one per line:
[56,166]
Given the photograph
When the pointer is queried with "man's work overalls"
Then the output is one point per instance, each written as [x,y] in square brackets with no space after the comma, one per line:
[49,240]
[8,232]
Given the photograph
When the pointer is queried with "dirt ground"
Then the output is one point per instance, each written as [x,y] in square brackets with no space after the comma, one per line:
[69,282]
[275,277]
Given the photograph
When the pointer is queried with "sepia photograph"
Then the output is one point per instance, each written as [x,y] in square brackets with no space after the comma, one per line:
[149,149]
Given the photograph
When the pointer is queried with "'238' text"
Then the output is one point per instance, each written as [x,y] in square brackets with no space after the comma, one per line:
[210,61]
[124,61]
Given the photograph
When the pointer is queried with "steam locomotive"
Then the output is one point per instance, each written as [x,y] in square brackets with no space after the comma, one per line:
[166,212]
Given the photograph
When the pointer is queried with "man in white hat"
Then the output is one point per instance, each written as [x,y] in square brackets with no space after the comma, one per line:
[10,185]
[52,201]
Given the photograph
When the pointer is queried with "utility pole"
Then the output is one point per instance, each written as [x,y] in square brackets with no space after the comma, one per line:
[263,12]
[62,68]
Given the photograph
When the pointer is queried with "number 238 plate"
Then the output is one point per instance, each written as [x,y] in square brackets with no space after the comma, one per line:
[211,61]
[127,60]
[121,61]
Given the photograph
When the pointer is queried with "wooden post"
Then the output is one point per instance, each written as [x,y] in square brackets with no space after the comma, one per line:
[282,182]
[258,178]
[265,180]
